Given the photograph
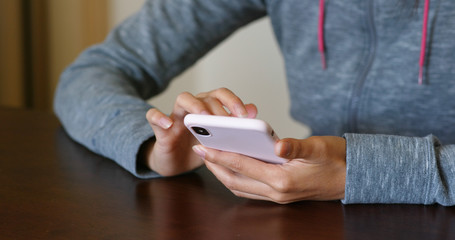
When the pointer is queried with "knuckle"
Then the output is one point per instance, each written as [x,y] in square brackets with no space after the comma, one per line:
[183,96]
[151,114]
[319,142]
[223,90]
[229,183]
[320,147]
[189,103]
[208,99]
[202,95]
[284,184]
[235,164]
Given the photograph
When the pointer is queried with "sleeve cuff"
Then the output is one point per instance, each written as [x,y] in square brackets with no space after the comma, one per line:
[123,144]
[389,169]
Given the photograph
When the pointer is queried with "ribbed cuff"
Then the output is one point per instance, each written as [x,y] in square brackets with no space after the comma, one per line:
[389,169]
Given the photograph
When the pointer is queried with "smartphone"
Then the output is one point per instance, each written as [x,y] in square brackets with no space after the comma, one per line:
[251,137]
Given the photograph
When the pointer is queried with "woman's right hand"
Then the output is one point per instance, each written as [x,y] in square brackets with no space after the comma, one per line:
[171,152]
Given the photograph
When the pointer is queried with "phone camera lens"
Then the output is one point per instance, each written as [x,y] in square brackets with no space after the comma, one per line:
[201,131]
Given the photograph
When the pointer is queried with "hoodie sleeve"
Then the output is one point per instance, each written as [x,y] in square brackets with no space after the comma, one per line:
[397,169]
[100,98]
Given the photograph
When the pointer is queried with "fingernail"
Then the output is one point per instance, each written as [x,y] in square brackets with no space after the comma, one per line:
[205,113]
[285,148]
[165,123]
[199,150]
[240,111]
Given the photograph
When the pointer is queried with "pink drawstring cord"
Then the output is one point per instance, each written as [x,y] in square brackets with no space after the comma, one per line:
[424,41]
[321,34]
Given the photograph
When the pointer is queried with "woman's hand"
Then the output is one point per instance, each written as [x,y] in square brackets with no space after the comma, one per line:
[170,154]
[316,171]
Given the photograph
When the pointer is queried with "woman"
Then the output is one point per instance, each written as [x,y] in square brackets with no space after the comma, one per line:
[373,79]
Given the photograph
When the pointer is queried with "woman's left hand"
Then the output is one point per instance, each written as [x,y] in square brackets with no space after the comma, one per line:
[316,171]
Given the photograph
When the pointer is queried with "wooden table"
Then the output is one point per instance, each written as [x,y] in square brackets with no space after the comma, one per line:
[53,188]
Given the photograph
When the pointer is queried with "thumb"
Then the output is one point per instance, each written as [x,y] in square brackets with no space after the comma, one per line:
[159,122]
[291,148]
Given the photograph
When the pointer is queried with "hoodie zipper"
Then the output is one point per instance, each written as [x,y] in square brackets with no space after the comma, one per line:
[355,98]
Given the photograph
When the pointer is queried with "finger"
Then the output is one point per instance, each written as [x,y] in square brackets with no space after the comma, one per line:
[281,198]
[158,119]
[231,101]
[250,196]
[160,123]
[252,110]
[245,187]
[239,184]
[290,148]
[246,166]
[215,107]
[187,103]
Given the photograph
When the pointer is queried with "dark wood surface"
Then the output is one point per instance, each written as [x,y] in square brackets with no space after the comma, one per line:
[53,188]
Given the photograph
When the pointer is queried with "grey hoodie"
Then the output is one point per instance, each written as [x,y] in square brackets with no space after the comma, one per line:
[368,93]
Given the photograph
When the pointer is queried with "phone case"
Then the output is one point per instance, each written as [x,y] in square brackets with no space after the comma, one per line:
[251,137]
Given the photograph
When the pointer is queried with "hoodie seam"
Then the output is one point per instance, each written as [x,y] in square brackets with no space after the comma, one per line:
[354,103]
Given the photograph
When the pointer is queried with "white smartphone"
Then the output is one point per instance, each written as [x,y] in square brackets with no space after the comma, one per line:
[251,137]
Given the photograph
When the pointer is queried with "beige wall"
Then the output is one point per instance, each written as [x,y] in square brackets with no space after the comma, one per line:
[73,26]
[64,40]
[119,10]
